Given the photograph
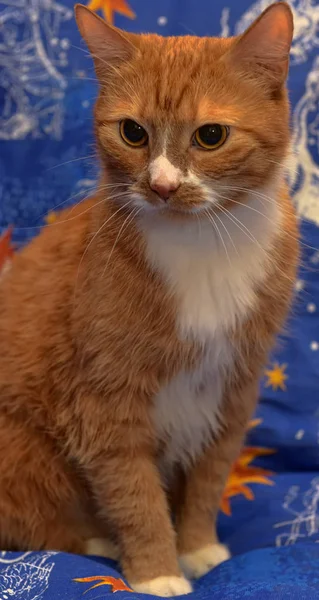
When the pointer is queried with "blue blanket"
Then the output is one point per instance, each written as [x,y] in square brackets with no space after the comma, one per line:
[269,513]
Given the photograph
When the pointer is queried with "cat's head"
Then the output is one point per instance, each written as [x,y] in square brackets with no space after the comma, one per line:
[187,122]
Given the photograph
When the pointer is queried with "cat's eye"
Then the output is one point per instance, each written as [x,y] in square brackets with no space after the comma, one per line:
[132,133]
[211,136]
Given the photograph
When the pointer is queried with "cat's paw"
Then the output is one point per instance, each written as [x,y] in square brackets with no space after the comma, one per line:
[164,586]
[102,547]
[198,563]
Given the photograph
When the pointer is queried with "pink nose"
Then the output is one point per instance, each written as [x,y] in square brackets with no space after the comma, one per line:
[164,188]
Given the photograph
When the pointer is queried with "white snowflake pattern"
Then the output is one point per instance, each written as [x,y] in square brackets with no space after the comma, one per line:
[32,59]
[303,171]
[25,577]
[224,23]
[305,521]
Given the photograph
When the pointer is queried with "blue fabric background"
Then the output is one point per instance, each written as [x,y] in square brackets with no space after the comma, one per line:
[47,160]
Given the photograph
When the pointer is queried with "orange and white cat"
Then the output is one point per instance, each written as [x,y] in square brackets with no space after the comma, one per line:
[134,330]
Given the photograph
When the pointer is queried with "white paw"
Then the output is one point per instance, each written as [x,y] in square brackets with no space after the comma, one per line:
[102,547]
[198,563]
[164,586]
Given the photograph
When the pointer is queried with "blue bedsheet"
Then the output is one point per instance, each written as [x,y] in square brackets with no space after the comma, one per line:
[269,514]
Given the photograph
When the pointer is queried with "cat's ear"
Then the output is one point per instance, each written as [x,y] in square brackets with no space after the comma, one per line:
[107,44]
[263,50]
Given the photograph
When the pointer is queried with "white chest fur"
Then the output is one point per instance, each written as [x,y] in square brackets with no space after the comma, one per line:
[186,411]
[214,282]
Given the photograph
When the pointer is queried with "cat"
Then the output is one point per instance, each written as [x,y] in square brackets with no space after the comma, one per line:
[134,330]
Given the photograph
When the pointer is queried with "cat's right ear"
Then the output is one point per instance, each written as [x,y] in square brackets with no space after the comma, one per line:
[108,45]
[262,51]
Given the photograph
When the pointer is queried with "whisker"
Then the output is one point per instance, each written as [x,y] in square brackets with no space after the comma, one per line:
[101,188]
[213,222]
[239,224]
[199,226]
[92,188]
[247,190]
[248,233]
[79,78]
[268,219]
[40,227]
[88,209]
[124,225]
[231,239]
[67,162]
[69,199]
[283,165]
[94,237]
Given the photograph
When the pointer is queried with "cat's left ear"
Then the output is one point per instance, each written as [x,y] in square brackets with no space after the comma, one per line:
[263,50]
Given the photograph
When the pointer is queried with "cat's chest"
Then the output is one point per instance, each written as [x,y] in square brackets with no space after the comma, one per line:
[214,289]
[186,411]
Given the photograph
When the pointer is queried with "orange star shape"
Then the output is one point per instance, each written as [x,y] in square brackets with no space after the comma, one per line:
[117,585]
[276,377]
[108,7]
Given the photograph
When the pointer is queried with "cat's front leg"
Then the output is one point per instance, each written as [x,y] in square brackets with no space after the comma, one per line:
[127,486]
[198,545]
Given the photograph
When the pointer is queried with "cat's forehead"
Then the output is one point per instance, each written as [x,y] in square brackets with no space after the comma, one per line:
[176,80]
[171,53]
[176,71]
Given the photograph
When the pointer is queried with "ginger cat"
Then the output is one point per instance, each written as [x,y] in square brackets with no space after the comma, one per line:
[133,332]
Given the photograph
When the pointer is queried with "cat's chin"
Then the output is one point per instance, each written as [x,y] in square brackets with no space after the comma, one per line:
[169,212]
[179,215]
[167,217]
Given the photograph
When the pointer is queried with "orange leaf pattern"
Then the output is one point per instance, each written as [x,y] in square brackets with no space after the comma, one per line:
[243,473]
[117,585]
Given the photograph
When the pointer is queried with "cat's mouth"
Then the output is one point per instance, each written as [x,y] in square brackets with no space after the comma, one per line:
[183,204]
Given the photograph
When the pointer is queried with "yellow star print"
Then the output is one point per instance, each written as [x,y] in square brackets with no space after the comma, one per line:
[276,377]
[51,217]
[108,7]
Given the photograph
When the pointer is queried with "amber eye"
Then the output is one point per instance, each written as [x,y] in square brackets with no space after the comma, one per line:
[132,133]
[210,136]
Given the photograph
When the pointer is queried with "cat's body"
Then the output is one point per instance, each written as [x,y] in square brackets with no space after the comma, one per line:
[131,341]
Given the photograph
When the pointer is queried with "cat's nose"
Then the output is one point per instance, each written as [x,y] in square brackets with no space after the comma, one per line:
[164,188]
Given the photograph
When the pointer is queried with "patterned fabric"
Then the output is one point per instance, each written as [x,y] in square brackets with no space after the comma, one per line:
[269,512]
[266,574]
